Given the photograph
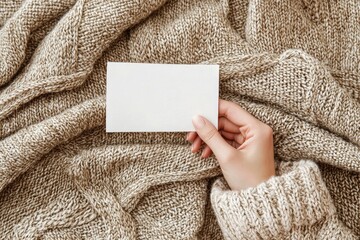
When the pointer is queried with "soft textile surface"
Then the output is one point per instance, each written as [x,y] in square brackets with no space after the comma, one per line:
[294,64]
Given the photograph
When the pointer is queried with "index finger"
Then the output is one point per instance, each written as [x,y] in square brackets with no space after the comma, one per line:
[235,113]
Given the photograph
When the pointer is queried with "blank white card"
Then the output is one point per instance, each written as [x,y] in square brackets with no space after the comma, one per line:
[145,97]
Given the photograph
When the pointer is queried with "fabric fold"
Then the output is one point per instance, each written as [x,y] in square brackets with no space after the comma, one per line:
[14,35]
[298,84]
[328,31]
[60,213]
[115,179]
[7,9]
[45,136]
[61,174]
[67,49]
[295,139]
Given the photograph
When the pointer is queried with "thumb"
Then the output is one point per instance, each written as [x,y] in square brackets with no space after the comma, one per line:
[210,135]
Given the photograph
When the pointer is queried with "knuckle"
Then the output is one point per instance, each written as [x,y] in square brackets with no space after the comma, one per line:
[208,136]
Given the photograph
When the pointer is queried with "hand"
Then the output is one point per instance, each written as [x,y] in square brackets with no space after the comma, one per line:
[243,145]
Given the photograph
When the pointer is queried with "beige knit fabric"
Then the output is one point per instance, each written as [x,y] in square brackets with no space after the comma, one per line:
[293,64]
[295,205]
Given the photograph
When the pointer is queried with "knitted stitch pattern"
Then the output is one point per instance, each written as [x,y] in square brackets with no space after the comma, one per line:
[293,64]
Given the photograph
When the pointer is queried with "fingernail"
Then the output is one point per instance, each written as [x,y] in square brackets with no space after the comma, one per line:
[198,121]
[187,137]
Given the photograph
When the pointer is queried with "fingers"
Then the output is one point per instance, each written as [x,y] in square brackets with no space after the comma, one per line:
[228,135]
[191,136]
[235,125]
[235,113]
[233,143]
[209,134]
[235,140]
[206,152]
[237,137]
[227,125]
[223,123]
[195,147]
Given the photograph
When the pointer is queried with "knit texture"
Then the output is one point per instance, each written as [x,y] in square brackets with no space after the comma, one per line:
[293,64]
[295,204]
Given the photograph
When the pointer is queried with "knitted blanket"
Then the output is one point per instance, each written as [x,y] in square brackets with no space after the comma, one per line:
[293,64]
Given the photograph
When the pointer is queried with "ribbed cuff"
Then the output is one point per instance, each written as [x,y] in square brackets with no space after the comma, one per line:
[297,197]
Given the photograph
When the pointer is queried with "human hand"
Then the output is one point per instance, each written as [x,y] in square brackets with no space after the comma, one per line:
[243,145]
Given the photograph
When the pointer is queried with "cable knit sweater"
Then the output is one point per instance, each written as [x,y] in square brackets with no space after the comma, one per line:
[293,64]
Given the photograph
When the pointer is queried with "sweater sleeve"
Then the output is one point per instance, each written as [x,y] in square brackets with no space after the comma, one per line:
[295,204]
